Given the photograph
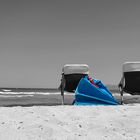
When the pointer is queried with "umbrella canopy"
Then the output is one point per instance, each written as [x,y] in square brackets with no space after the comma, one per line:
[89,94]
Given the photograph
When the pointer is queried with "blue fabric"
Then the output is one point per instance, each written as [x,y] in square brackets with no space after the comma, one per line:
[88,94]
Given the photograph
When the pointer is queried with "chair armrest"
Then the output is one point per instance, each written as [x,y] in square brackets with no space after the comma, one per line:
[121,83]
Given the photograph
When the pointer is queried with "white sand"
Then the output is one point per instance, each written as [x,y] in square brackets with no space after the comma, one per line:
[70,123]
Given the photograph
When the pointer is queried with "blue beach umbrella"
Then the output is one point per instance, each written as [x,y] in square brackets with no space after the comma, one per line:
[89,94]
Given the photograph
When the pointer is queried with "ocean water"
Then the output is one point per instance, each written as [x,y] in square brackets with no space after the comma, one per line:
[27,91]
[30,96]
[112,88]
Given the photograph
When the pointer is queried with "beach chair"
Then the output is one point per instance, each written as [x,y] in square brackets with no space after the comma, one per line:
[71,75]
[130,81]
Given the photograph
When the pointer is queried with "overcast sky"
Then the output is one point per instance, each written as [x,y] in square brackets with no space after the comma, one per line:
[37,37]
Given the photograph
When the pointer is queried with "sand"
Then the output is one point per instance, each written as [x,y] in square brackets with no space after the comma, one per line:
[70,122]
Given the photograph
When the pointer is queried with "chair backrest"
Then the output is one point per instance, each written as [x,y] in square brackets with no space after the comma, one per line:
[72,81]
[131,73]
[75,69]
[73,73]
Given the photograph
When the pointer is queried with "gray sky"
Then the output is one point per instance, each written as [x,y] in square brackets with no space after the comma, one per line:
[37,37]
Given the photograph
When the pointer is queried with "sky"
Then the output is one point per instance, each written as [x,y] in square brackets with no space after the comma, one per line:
[38,37]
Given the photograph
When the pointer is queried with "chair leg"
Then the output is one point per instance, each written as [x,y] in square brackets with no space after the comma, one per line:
[62,88]
[62,94]
[63,99]
[121,85]
[121,92]
[122,98]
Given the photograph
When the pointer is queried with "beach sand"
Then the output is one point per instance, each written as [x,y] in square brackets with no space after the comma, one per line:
[34,116]
[70,123]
